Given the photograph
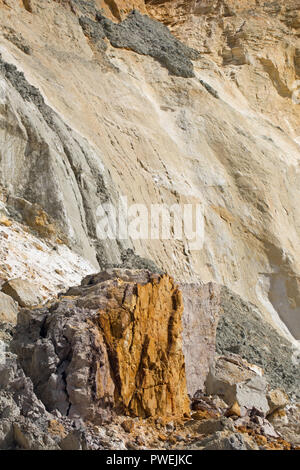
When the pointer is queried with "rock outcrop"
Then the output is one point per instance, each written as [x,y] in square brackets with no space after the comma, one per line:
[242,330]
[113,343]
[212,139]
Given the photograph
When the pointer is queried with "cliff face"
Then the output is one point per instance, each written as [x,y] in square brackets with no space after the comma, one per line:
[104,110]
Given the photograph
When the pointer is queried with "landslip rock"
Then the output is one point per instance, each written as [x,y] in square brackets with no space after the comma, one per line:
[277,400]
[8,309]
[235,381]
[112,343]
[242,330]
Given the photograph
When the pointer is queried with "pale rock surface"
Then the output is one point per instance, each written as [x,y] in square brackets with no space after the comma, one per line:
[235,381]
[277,400]
[113,343]
[49,264]
[24,292]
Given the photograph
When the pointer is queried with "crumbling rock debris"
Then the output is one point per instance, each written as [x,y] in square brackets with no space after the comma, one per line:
[113,343]
[223,441]
[23,416]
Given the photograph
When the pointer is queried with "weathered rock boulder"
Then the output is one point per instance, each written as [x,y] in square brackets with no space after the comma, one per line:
[22,291]
[235,381]
[112,343]
[224,441]
[277,400]
[23,417]
[8,309]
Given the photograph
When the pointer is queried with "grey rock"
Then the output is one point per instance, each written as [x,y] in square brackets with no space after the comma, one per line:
[252,394]
[219,441]
[23,418]
[29,436]
[86,7]
[242,330]
[94,31]
[149,37]
[6,434]
[73,441]
[234,381]
[212,426]
[200,319]
[17,40]
[130,260]
[56,350]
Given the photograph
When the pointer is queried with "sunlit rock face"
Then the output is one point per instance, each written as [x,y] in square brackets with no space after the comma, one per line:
[112,344]
[90,122]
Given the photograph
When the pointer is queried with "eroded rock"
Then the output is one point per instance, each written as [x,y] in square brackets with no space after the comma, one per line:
[8,309]
[277,400]
[112,343]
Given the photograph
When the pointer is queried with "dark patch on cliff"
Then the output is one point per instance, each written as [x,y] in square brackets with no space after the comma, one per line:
[131,261]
